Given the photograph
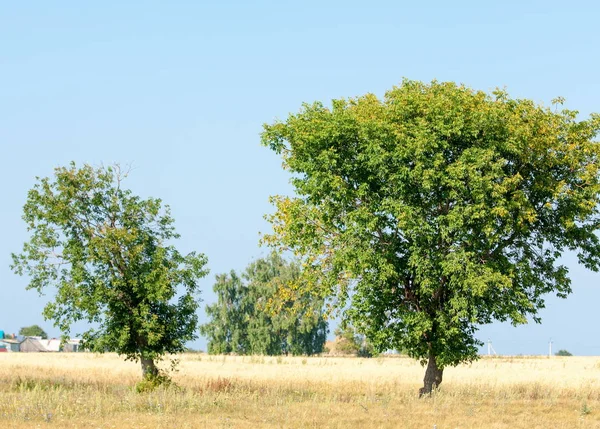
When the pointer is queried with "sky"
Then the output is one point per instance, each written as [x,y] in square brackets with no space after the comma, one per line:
[179,90]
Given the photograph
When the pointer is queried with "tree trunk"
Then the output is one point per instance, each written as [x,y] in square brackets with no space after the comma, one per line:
[433,376]
[149,369]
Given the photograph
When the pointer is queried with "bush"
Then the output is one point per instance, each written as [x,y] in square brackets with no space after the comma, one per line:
[563,353]
[152,382]
[366,351]
[350,343]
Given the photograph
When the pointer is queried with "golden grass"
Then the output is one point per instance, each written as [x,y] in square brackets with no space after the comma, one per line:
[97,391]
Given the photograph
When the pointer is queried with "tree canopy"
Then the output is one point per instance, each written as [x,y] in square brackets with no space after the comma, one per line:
[252,317]
[437,209]
[109,255]
[33,331]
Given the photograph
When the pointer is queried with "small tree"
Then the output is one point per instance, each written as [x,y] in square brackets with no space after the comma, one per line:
[107,253]
[563,353]
[346,341]
[252,317]
[349,342]
[33,331]
[437,209]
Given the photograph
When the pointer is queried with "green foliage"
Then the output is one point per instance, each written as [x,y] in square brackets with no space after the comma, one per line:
[33,331]
[366,349]
[107,253]
[346,341]
[252,316]
[437,209]
[563,353]
[351,343]
[151,382]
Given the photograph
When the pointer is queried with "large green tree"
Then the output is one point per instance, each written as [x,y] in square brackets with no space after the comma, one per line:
[109,255]
[437,209]
[252,316]
[33,331]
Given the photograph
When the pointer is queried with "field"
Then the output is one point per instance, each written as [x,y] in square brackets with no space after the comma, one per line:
[98,391]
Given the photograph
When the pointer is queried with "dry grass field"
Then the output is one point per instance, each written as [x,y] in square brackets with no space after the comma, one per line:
[98,391]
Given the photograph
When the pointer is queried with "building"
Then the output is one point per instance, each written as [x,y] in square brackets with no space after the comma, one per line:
[72,346]
[37,344]
[32,344]
[10,345]
[51,345]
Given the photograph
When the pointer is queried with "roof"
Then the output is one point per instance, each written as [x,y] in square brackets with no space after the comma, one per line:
[32,345]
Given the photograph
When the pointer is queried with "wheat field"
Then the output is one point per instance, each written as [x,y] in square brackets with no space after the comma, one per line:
[98,391]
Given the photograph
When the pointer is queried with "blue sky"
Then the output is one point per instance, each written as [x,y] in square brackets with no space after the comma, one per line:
[180,90]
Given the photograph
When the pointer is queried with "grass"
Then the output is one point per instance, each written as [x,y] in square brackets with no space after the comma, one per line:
[98,391]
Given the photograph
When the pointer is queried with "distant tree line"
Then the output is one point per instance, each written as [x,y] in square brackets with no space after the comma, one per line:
[251,316]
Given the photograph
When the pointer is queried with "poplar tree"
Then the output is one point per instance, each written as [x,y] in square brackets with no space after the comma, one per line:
[255,315]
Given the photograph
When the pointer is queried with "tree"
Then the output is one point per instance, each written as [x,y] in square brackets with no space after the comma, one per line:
[437,209]
[349,342]
[252,317]
[564,353]
[107,253]
[33,331]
